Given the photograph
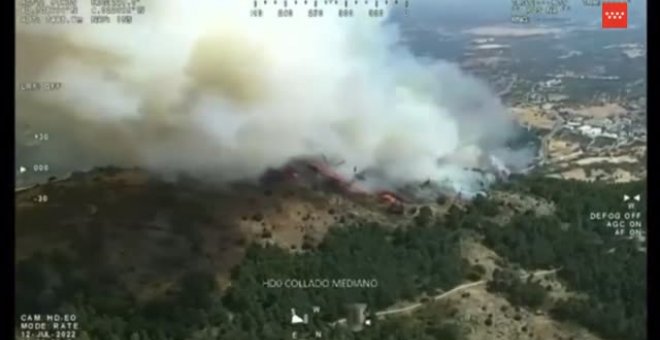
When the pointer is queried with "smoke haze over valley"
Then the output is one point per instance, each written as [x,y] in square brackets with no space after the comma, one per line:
[203,90]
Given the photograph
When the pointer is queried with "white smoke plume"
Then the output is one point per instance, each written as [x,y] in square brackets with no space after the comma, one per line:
[201,87]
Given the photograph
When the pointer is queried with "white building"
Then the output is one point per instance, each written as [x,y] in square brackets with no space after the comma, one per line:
[553,82]
[590,130]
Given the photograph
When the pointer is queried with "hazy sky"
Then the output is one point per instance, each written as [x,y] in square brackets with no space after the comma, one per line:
[458,13]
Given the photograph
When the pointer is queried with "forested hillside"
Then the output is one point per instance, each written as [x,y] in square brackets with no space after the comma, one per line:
[407,263]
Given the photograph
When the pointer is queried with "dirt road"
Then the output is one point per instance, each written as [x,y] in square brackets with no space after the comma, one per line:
[416,305]
[411,307]
[446,294]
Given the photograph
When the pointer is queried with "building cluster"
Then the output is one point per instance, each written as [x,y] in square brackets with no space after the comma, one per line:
[548,91]
[553,89]
[621,129]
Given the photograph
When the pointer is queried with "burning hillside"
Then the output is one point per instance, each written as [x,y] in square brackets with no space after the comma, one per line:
[319,173]
[224,99]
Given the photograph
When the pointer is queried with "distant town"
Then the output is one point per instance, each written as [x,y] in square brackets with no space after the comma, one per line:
[592,123]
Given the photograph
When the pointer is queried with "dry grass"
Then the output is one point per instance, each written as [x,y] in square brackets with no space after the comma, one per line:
[534,117]
[477,305]
[600,111]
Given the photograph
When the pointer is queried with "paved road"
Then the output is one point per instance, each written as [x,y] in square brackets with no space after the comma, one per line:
[545,140]
[508,88]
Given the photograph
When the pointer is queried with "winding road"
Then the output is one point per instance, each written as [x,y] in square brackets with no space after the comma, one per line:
[457,289]
[446,294]
[544,151]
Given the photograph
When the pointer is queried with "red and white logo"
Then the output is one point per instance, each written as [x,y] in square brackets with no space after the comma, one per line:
[615,15]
